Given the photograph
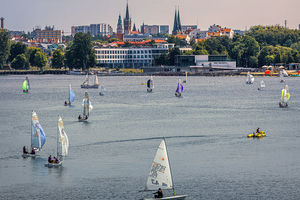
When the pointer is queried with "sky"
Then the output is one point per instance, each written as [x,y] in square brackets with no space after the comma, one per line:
[236,14]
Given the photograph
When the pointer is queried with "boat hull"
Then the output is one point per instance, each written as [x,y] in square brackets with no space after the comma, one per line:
[283,105]
[90,86]
[149,90]
[50,165]
[27,155]
[177,197]
[177,94]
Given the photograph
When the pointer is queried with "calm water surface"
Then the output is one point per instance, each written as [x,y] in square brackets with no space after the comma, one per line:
[110,156]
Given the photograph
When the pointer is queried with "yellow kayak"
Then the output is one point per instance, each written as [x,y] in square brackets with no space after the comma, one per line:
[258,135]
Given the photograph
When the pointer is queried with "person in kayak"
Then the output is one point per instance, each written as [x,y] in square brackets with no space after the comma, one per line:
[258,130]
[159,194]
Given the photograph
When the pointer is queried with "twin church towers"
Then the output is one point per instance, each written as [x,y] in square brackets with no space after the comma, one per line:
[177,29]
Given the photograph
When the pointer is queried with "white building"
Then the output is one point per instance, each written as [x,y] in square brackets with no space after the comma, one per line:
[213,62]
[127,57]
[94,29]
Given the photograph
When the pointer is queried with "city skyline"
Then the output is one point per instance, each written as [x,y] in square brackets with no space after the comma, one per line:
[63,15]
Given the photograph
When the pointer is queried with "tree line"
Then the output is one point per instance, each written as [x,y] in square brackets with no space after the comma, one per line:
[261,45]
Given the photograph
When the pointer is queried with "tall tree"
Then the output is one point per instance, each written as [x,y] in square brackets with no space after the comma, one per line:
[40,59]
[16,49]
[172,54]
[81,53]
[58,59]
[4,47]
[20,62]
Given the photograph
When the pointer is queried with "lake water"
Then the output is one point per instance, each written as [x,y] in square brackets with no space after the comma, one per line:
[110,156]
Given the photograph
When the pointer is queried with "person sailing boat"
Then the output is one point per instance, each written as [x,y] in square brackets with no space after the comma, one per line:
[87,107]
[285,97]
[150,84]
[26,85]
[179,89]
[71,97]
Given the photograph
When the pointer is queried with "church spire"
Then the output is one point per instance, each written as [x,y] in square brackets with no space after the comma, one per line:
[119,25]
[134,28]
[178,21]
[175,26]
[127,11]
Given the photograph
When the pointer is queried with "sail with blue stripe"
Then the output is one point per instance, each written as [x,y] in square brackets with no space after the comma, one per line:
[38,137]
[71,95]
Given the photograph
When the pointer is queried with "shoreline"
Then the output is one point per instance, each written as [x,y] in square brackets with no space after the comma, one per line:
[203,73]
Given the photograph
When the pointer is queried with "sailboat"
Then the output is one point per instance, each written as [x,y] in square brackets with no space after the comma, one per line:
[150,84]
[102,90]
[250,78]
[87,107]
[26,85]
[262,85]
[185,81]
[38,137]
[62,144]
[71,97]
[285,97]
[86,85]
[160,175]
[281,76]
[179,89]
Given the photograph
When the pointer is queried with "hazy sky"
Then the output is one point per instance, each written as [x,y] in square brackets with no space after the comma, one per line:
[237,14]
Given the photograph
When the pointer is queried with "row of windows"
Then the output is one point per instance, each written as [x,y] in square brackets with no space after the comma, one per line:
[124,52]
[124,61]
[123,56]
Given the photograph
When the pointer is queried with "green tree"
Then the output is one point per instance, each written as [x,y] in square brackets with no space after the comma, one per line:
[199,49]
[40,59]
[161,60]
[4,47]
[172,54]
[244,49]
[30,55]
[20,62]
[58,59]
[274,35]
[81,53]
[296,46]
[16,49]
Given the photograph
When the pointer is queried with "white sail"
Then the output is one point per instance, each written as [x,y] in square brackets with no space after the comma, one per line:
[160,172]
[62,139]
[284,73]
[86,81]
[38,137]
[285,95]
[96,80]
[262,84]
[87,105]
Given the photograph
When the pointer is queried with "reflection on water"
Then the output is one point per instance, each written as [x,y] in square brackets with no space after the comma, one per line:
[111,154]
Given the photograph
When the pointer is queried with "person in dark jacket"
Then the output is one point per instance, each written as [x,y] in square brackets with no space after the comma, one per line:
[32,151]
[49,159]
[159,194]
[25,150]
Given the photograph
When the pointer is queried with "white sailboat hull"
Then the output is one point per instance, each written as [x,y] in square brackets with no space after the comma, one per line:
[49,165]
[177,197]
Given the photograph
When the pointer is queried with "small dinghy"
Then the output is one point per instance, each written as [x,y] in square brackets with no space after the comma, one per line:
[38,137]
[102,90]
[62,146]
[160,176]
[179,89]
[71,97]
[250,78]
[26,85]
[285,97]
[87,107]
[150,84]
[262,85]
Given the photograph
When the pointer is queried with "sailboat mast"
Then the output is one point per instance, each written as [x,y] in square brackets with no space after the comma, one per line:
[173,188]
[31,132]
[57,139]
